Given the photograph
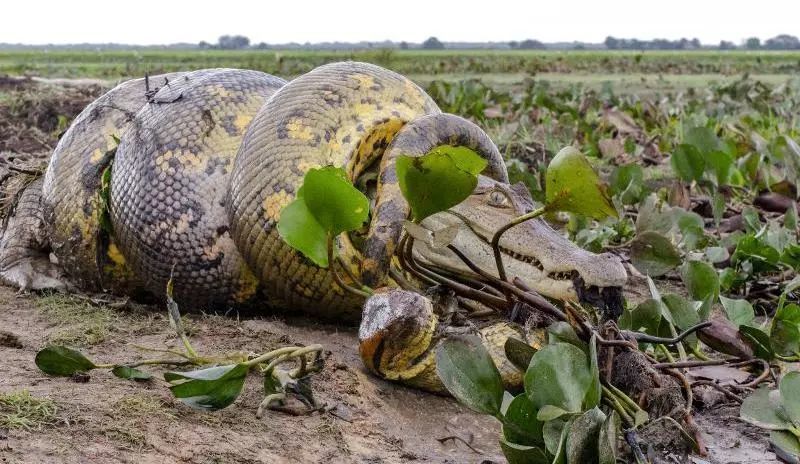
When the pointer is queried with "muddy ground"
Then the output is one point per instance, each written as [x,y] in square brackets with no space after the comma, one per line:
[109,420]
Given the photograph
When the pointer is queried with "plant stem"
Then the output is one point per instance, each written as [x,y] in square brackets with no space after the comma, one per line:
[498,257]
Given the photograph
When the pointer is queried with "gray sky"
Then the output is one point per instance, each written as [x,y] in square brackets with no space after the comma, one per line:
[165,21]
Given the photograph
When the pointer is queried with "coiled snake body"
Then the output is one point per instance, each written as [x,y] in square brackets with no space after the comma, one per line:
[205,165]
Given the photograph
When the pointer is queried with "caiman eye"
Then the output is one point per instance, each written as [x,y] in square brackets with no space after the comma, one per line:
[497,199]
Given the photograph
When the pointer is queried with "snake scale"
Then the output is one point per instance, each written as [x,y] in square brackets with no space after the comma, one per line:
[186,179]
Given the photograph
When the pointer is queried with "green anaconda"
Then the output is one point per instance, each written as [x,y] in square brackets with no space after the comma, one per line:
[204,168]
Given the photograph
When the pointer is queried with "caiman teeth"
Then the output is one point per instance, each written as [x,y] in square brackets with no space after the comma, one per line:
[563,275]
[554,275]
[525,259]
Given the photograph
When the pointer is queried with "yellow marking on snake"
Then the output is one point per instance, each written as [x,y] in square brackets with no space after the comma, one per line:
[273,204]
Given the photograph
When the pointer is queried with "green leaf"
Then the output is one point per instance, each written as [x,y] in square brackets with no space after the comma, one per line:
[607,443]
[653,254]
[126,372]
[62,361]
[739,312]
[521,454]
[701,280]
[438,180]
[786,442]
[720,164]
[520,424]
[763,408]
[687,162]
[333,201]
[790,396]
[683,313]
[558,376]
[555,433]
[627,182]
[594,392]
[561,331]
[582,438]
[646,315]
[298,228]
[519,353]
[573,186]
[763,257]
[703,139]
[208,389]
[469,374]
[785,332]
[759,340]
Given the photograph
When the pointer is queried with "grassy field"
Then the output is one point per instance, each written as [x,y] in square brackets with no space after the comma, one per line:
[115,64]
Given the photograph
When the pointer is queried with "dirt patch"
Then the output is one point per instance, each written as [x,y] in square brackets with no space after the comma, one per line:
[33,114]
[111,420]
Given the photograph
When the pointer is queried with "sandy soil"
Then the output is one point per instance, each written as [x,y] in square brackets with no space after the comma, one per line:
[113,420]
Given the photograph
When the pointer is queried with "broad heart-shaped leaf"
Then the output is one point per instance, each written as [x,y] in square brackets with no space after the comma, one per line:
[561,331]
[582,438]
[520,425]
[521,454]
[720,164]
[439,180]
[653,254]
[208,389]
[645,316]
[739,312]
[703,138]
[785,333]
[764,409]
[559,377]
[573,186]
[469,374]
[131,373]
[62,361]
[688,162]
[298,227]
[682,312]
[701,280]
[760,342]
[518,352]
[790,396]
[787,445]
[333,201]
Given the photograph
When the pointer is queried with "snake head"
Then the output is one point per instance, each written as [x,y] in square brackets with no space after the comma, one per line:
[532,251]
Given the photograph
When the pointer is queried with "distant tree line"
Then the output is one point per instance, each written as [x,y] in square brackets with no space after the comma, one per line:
[780,42]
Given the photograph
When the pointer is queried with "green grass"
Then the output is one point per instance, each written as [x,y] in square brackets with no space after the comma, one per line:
[79,322]
[21,410]
[289,63]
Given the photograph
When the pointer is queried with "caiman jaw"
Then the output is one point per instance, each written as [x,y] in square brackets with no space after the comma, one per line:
[535,253]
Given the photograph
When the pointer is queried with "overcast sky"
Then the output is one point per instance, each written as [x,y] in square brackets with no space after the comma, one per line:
[159,22]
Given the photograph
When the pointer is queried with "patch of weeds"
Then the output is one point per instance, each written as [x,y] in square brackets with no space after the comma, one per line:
[79,322]
[21,410]
[141,405]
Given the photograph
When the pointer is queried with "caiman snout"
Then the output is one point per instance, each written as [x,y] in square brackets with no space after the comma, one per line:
[532,251]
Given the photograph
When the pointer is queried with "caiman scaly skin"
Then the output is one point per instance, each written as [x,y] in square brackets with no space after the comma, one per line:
[170,180]
[341,114]
[72,187]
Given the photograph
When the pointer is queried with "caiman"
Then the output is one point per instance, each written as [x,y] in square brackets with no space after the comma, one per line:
[185,176]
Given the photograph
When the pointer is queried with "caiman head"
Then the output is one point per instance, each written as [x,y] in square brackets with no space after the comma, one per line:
[532,251]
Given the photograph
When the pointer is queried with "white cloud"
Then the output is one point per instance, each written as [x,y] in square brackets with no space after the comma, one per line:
[157,22]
